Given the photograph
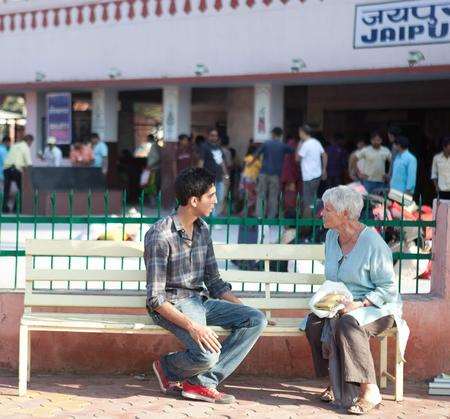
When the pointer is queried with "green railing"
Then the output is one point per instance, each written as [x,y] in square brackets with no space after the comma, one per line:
[15,228]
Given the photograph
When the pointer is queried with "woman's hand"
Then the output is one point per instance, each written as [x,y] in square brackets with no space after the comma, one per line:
[350,306]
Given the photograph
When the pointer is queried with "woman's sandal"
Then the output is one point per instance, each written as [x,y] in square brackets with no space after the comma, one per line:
[327,396]
[362,406]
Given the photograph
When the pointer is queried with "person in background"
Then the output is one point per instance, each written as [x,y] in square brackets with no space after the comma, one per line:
[393,132]
[404,171]
[212,159]
[4,149]
[375,157]
[184,155]
[249,178]
[100,152]
[153,167]
[81,154]
[17,160]
[313,163]
[290,176]
[440,170]
[268,185]
[52,154]
[359,167]
[337,160]
[228,159]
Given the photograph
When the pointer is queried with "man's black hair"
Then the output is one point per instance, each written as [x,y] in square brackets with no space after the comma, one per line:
[6,139]
[376,133]
[94,135]
[402,141]
[445,142]
[277,132]
[194,181]
[183,136]
[394,130]
[307,129]
[150,138]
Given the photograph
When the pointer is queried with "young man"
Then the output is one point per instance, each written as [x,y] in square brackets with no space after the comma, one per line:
[404,171]
[440,170]
[375,157]
[268,185]
[313,164]
[180,262]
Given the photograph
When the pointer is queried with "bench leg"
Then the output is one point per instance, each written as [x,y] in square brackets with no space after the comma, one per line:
[398,373]
[29,358]
[23,359]
[383,361]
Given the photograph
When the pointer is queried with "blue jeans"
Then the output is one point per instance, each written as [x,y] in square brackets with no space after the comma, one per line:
[208,369]
[370,185]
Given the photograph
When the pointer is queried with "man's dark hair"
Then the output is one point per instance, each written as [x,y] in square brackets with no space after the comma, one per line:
[6,139]
[183,137]
[307,129]
[28,138]
[394,130]
[199,140]
[94,135]
[194,181]
[376,133]
[402,141]
[150,138]
[277,132]
[445,142]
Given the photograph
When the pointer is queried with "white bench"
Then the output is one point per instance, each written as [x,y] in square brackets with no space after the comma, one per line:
[78,300]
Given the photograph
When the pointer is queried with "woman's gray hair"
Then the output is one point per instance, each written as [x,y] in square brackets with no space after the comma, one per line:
[344,198]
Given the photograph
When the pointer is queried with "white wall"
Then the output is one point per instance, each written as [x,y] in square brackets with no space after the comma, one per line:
[242,41]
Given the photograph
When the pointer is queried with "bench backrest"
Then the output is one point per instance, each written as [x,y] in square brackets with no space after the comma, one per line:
[55,250]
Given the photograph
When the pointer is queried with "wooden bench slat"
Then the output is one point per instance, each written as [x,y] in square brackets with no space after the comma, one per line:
[136,275]
[98,248]
[138,301]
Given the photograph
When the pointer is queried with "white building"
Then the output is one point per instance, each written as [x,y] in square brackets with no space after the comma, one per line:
[242,65]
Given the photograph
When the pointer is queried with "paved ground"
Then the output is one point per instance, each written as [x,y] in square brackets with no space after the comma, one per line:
[129,397]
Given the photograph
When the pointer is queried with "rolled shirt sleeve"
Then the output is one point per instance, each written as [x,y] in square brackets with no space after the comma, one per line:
[214,283]
[434,169]
[382,276]
[156,255]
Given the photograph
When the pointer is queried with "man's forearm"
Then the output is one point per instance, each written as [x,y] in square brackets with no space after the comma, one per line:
[229,296]
[172,314]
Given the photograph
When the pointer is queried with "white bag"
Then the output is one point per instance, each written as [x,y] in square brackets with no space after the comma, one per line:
[329,287]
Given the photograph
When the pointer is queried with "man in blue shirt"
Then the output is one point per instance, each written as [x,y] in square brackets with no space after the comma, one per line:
[100,151]
[268,187]
[404,169]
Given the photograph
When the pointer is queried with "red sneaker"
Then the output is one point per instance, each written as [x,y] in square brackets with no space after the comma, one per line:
[196,392]
[164,383]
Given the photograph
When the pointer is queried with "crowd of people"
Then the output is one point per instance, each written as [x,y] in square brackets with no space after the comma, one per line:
[16,157]
[302,167]
[306,167]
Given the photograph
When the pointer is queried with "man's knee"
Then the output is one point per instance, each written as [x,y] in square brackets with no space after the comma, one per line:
[204,360]
[345,326]
[257,319]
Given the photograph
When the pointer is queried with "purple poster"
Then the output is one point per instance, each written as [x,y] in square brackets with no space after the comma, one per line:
[59,117]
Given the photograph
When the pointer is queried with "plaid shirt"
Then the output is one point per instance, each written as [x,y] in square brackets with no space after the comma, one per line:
[178,268]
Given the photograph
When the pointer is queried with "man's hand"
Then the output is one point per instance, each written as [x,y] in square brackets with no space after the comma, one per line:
[362,175]
[205,337]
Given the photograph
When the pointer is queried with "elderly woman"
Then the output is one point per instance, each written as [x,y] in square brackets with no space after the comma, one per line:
[357,256]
